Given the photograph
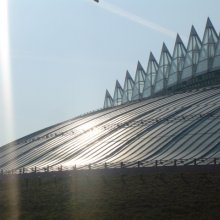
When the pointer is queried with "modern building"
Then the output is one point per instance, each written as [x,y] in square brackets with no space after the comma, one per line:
[168,115]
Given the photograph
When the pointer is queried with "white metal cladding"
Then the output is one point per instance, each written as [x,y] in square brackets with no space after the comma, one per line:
[179,126]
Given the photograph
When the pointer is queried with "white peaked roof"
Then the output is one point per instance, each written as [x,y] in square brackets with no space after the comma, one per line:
[118,94]
[192,55]
[207,51]
[177,63]
[163,70]
[108,100]
[138,82]
[152,69]
[128,86]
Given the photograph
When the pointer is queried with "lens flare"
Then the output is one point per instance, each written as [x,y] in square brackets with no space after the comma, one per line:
[5,78]
[5,70]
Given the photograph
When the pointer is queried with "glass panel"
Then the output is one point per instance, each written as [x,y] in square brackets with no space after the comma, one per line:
[152,68]
[216,62]
[192,55]
[177,62]
[128,86]
[118,94]
[208,49]
[163,70]
[138,83]
[159,81]
[108,100]
[147,87]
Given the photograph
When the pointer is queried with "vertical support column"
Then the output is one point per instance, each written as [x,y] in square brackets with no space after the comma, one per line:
[195,162]
[215,161]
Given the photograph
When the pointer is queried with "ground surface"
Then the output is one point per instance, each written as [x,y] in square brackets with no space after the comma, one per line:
[138,194]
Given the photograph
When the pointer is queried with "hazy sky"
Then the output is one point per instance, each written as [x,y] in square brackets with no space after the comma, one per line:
[64,54]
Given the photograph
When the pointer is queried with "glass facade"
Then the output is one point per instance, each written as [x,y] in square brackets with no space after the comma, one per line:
[118,94]
[207,51]
[138,82]
[108,100]
[151,73]
[128,86]
[184,68]
[216,61]
[163,70]
[177,62]
[192,55]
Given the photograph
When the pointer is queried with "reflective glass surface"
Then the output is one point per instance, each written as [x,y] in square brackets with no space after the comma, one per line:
[163,70]
[138,83]
[128,87]
[192,55]
[177,62]
[207,52]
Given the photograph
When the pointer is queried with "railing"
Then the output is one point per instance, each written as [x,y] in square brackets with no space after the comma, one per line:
[117,165]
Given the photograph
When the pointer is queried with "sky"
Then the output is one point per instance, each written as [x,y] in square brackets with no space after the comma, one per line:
[57,57]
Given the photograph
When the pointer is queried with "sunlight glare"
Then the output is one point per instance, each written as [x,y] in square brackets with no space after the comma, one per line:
[5,69]
[5,79]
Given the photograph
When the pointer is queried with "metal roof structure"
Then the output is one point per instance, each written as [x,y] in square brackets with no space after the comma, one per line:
[180,126]
[169,113]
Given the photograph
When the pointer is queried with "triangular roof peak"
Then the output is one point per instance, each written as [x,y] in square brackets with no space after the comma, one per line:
[128,75]
[117,83]
[107,94]
[178,39]
[152,58]
[209,23]
[164,48]
[193,31]
[139,66]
